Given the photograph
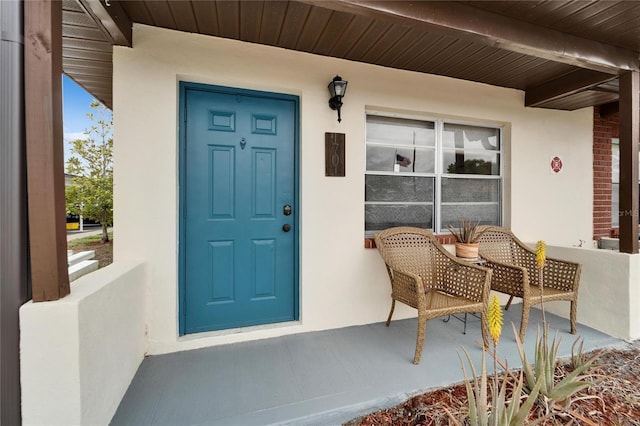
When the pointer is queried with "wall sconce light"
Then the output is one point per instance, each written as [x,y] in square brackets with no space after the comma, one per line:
[337,88]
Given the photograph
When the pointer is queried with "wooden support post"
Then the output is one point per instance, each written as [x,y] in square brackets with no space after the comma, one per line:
[45,151]
[629,133]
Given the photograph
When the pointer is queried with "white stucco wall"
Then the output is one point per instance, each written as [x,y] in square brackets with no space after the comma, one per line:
[79,354]
[609,290]
[341,283]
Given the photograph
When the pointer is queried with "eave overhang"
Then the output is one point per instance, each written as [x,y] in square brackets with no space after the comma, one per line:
[507,44]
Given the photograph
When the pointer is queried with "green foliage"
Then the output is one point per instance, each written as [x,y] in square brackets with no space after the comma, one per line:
[535,384]
[468,232]
[92,197]
[91,163]
[473,166]
[502,412]
[552,394]
[578,357]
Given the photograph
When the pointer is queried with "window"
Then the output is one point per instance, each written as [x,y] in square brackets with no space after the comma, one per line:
[615,182]
[431,173]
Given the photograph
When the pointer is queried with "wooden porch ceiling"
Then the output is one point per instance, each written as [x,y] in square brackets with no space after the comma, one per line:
[86,51]
[563,54]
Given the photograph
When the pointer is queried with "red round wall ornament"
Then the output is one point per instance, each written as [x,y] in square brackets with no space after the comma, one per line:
[556,164]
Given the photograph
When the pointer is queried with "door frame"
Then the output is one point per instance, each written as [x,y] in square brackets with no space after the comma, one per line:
[184,86]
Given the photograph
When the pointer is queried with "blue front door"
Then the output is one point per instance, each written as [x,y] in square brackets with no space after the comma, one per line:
[239,210]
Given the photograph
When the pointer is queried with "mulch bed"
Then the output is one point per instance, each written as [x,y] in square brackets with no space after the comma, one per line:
[613,401]
[104,252]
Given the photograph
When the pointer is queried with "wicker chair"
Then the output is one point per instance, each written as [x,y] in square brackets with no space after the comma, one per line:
[515,273]
[426,277]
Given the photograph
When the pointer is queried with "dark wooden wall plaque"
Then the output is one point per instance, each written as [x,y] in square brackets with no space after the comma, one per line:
[334,154]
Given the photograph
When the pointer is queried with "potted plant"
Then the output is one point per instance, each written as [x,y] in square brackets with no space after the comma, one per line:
[467,237]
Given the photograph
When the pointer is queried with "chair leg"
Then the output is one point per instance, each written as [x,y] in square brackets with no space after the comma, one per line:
[508,303]
[422,325]
[525,319]
[485,329]
[573,315]
[393,306]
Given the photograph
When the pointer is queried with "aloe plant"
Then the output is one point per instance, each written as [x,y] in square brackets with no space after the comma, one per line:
[468,232]
[579,358]
[537,381]
[552,395]
[500,412]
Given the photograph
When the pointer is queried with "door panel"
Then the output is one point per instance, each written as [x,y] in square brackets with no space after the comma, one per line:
[239,263]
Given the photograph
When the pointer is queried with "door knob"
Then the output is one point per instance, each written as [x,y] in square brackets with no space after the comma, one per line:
[286,227]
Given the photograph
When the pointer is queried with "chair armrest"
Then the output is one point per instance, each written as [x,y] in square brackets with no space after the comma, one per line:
[562,275]
[466,280]
[508,278]
[407,287]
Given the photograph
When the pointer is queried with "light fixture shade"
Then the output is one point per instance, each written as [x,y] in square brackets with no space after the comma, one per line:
[338,86]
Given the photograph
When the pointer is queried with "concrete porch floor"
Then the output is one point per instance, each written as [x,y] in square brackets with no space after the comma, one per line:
[317,378]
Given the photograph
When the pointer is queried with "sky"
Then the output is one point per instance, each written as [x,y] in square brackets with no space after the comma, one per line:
[75,105]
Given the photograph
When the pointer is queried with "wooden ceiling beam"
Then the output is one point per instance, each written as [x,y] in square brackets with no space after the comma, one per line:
[569,84]
[111,19]
[604,89]
[479,26]
[610,109]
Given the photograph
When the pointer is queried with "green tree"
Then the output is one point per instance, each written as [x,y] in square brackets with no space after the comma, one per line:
[91,163]
[474,166]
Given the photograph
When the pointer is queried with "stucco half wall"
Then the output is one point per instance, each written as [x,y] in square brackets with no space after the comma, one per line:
[608,293]
[78,354]
[341,283]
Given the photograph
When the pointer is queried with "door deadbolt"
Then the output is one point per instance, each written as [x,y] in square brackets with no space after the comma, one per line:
[286,209]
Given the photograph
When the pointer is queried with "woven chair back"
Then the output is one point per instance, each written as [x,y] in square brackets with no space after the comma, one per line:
[499,244]
[410,249]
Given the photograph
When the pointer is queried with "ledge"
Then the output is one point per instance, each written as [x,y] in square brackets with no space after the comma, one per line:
[370,243]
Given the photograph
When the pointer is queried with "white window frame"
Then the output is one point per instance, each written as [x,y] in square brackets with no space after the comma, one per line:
[439,173]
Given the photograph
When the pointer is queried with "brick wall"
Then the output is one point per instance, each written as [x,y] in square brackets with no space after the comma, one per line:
[603,130]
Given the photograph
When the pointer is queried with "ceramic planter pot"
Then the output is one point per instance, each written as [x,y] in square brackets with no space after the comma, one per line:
[467,251]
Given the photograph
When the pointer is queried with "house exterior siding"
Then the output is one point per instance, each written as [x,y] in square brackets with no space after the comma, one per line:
[341,282]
